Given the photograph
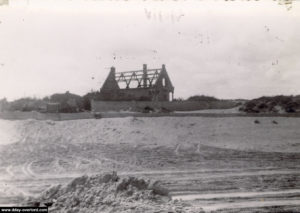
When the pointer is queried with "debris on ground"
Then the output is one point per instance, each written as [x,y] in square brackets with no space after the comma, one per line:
[110,193]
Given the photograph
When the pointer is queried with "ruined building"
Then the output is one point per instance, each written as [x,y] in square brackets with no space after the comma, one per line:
[140,85]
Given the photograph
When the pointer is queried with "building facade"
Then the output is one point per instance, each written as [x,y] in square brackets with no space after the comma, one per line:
[139,85]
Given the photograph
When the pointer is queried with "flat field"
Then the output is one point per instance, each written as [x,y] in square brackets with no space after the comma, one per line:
[222,164]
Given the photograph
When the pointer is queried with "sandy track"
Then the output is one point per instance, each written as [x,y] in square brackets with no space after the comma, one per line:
[235,195]
[33,184]
[211,173]
[228,207]
[218,157]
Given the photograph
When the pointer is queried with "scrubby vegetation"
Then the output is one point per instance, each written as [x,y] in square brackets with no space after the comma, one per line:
[275,104]
[24,104]
[87,98]
[202,98]
[68,103]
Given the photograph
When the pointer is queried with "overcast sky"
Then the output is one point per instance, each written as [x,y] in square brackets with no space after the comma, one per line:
[226,49]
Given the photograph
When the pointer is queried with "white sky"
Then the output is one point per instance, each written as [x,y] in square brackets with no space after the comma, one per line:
[227,49]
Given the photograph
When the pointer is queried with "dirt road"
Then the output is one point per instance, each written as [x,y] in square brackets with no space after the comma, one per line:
[187,155]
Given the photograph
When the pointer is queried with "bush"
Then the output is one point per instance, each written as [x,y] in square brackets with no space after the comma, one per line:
[148,109]
[202,98]
[289,104]
[69,102]
[178,99]
[87,98]
[26,104]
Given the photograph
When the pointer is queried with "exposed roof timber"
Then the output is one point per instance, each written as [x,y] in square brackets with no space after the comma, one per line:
[148,70]
[129,76]
[146,78]
[137,75]
[150,81]
[135,79]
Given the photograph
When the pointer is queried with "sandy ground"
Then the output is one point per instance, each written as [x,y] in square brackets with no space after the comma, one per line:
[215,163]
[214,111]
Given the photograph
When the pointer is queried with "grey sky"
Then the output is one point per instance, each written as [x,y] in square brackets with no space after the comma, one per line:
[225,49]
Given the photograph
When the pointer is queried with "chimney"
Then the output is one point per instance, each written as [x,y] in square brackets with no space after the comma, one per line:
[113,71]
[163,67]
[144,75]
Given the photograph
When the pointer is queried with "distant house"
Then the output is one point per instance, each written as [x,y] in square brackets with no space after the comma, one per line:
[139,85]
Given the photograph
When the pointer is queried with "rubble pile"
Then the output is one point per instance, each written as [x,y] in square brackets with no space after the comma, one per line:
[109,193]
